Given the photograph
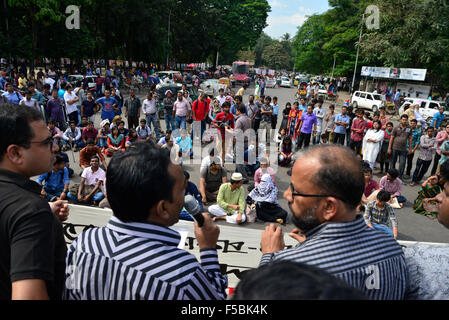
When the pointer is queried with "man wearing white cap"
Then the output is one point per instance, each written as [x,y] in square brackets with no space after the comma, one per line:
[231,201]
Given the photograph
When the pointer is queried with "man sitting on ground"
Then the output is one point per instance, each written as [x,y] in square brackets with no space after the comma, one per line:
[231,201]
[72,138]
[211,179]
[378,212]
[89,189]
[264,168]
[57,181]
[88,152]
[393,185]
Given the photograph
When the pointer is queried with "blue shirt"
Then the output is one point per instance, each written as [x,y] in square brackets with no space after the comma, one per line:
[275,109]
[56,180]
[193,190]
[61,94]
[342,118]
[303,108]
[233,110]
[184,145]
[416,138]
[14,97]
[438,117]
[107,111]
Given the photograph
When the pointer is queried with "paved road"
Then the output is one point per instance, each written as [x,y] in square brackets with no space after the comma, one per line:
[412,226]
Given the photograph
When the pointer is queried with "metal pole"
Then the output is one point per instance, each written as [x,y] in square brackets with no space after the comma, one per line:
[332,77]
[168,36]
[357,56]
[216,60]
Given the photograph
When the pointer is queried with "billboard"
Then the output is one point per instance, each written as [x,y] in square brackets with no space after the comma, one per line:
[394,73]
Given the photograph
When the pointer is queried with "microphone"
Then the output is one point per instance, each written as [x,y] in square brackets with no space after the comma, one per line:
[192,208]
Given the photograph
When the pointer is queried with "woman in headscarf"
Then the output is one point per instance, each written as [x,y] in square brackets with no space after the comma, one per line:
[372,142]
[267,206]
[216,109]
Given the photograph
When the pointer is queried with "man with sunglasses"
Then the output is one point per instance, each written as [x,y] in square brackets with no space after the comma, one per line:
[326,188]
[32,246]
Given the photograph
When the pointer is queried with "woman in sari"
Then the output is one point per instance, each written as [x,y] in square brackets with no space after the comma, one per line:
[116,142]
[293,118]
[427,202]
[265,196]
[372,142]
[383,157]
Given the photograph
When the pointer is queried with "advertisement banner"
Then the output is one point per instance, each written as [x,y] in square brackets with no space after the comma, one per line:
[415,91]
[394,73]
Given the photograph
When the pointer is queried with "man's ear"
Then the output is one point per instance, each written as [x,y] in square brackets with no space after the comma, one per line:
[329,209]
[160,213]
[15,154]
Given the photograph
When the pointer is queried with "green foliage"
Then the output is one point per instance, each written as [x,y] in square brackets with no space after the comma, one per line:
[133,29]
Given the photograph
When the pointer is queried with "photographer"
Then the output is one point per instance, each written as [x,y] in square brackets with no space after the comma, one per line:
[137,248]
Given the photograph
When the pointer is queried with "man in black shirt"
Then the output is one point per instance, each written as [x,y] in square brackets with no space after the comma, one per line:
[32,246]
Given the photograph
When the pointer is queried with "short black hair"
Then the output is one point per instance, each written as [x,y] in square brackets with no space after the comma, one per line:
[383,196]
[241,108]
[414,120]
[131,181]
[404,116]
[226,105]
[238,98]
[340,173]
[187,175]
[394,173]
[268,98]
[288,280]
[59,159]
[15,126]
[143,120]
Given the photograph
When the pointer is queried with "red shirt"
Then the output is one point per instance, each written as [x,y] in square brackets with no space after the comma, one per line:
[229,118]
[200,109]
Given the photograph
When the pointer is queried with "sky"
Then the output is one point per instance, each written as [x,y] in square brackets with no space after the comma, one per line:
[288,15]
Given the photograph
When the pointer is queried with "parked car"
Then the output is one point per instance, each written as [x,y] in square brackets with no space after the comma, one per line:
[285,82]
[211,87]
[322,92]
[169,76]
[271,83]
[367,100]
[74,78]
[427,108]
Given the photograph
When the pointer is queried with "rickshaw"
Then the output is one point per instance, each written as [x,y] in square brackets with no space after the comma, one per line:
[225,81]
[390,108]
[331,92]
[302,91]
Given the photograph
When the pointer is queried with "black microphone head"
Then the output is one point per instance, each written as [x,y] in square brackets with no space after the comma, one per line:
[192,207]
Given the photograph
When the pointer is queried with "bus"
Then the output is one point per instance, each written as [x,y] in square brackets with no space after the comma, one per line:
[240,71]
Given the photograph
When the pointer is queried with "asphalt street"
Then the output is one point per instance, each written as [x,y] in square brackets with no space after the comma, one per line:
[411,226]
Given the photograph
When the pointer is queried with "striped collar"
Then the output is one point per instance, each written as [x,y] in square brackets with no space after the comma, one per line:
[337,229]
[145,230]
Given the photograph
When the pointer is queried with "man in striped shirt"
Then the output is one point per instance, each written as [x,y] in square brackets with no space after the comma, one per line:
[135,256]
[326,188]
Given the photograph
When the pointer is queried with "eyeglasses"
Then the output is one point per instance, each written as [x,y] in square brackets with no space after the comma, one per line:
[294,194]
[47,141]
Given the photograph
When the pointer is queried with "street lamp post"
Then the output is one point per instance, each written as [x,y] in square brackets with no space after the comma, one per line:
[357,56]
[332,77]
[168,37]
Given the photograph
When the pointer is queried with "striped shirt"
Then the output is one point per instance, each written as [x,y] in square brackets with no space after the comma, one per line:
[367,259]
[380,216]
[139,261]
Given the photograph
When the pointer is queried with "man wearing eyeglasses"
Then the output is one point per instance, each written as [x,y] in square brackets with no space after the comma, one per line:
[326,187]
[32,246]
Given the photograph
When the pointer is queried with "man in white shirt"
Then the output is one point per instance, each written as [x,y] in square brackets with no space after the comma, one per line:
[205,163]
[72,138]
[150,110]
[50,81]
[92,180]
[29,102]
[320,114]
[71,101]
[221,97]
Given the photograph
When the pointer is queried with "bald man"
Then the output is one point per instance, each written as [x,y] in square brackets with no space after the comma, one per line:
[326,187]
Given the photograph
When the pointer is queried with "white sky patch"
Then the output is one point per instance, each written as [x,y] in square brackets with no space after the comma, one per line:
[277,4]
[277,26]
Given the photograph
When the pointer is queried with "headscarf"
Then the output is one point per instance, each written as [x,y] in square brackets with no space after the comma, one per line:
[102,123]
[265,191]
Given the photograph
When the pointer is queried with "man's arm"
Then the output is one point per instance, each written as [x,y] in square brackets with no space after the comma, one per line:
[29,289]
[94,191]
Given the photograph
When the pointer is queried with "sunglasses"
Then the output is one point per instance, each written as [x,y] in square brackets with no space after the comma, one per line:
[295,193]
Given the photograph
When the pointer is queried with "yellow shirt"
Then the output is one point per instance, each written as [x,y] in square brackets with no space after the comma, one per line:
[22,83]
[240,92]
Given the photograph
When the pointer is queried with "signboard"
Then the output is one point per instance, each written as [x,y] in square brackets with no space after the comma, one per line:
[394,73]
[415,91]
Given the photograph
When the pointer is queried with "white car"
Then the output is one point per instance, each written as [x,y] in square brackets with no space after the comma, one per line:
[285,82]
[427,108]
[74,78]
[211,87]
[367,100]
[169,76]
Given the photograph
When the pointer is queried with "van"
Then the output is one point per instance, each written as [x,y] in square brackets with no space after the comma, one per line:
[427,108]
[367,100]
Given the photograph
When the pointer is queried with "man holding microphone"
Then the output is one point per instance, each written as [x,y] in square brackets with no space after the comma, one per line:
[136,256]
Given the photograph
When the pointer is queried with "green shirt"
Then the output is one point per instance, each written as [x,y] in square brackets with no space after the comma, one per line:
[227,196]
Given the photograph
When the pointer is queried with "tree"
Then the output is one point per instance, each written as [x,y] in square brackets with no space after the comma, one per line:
[276,57]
